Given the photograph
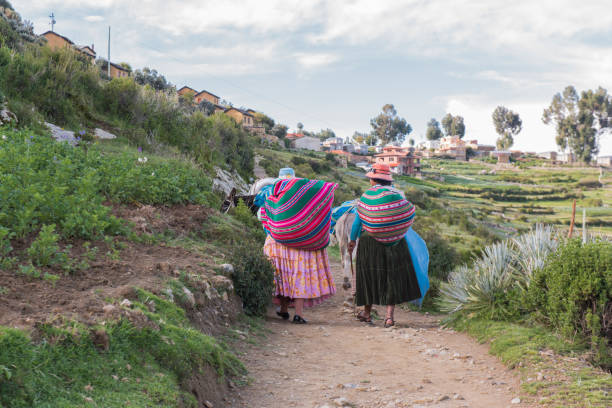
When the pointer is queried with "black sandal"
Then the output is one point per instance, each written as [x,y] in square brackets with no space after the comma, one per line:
[284,315]
[299,320]
[388,319]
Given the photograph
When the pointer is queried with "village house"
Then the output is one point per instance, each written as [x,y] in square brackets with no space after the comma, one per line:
[452,146]
[56,41]
[185,90]
[205,95]
[566,157]
[401,160]
[604,161]
[348,157]
[548,155]
[307,142]
[116,71]
[241,117]
[332,143]
[362,149]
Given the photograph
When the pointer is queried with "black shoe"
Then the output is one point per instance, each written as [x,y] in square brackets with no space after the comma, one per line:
[284,315]
[299,320]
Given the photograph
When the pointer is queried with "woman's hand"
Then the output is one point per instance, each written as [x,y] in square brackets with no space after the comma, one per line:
[352,246]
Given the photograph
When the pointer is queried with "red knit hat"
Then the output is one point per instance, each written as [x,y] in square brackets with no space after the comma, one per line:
[380,172]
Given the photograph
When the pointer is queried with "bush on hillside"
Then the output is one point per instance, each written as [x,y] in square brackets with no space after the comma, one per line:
[491,288]
[253,278]
[66,89]
[43,182]
[573,293]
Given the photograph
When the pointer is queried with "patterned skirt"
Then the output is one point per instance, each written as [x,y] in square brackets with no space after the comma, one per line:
[300,274]
[385,274]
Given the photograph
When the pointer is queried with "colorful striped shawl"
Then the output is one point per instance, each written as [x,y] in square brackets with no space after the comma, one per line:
[385,214]
[298,213]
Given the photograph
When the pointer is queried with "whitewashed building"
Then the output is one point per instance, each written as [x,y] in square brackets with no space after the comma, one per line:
[308,143]
[604,161]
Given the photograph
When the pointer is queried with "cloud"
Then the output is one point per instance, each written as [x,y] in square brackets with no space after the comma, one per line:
[94,19]
[315,60]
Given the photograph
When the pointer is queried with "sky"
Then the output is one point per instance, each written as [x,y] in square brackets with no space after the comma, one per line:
[334,64]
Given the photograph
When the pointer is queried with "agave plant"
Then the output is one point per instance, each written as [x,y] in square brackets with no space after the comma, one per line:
[531,251]
[453,293]
[479,288]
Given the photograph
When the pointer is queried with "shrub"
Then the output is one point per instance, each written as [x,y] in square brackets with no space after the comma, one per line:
[442,256]
[44,249]
[573,293]
[253,278]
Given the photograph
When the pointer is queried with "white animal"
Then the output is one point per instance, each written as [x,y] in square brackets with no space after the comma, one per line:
[343,236]
[259,184]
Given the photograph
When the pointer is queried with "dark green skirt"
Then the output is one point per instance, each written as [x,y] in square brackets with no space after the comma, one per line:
[385,274]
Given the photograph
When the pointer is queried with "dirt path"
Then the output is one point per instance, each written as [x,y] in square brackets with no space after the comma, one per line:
[259,171]
[415,364]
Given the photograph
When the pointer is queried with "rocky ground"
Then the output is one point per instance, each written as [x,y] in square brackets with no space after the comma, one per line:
[336,361]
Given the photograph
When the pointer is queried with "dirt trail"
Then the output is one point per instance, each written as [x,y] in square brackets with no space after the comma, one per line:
[415,364]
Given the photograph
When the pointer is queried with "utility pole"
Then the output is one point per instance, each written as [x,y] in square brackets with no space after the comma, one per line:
[108,65]
[52,17]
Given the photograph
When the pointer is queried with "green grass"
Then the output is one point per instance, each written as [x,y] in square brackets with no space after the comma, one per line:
[570,383]
[143,366]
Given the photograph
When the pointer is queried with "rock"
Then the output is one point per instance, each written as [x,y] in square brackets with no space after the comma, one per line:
[541,377]
[169,294]
[100,339]
[208,404]
[458,397]
[88,387]
[103,134]
[108,309]
[426,381]
[225,297]
[225,181]
[342,402]
[227,268]
[7,117]
[222,282]
[126,303]
[189,298]
[443,398]
[516,401]
[61,135]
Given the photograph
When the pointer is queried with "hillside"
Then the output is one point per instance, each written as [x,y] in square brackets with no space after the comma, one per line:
[123,285]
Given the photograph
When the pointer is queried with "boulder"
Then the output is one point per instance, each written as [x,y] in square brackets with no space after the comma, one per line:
[189,298]
[7,117]
[103,134]
[225,181]
[61,135]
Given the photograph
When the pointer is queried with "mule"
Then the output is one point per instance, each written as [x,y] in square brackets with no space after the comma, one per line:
[343,236]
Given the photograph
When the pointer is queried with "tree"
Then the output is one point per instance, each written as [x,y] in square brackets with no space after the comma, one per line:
[411,142]
[325,134]
[264,120]
[359,137]
[580,120]
[453,125]
[279,131]
[433,130]
[126,66]
[151,77]
[507,125]
[388,127]
[300,127]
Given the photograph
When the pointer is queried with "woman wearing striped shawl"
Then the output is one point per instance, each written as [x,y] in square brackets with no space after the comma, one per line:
[385,273]
[296,217]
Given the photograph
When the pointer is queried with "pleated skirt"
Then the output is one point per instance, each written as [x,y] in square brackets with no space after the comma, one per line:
[385,274]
